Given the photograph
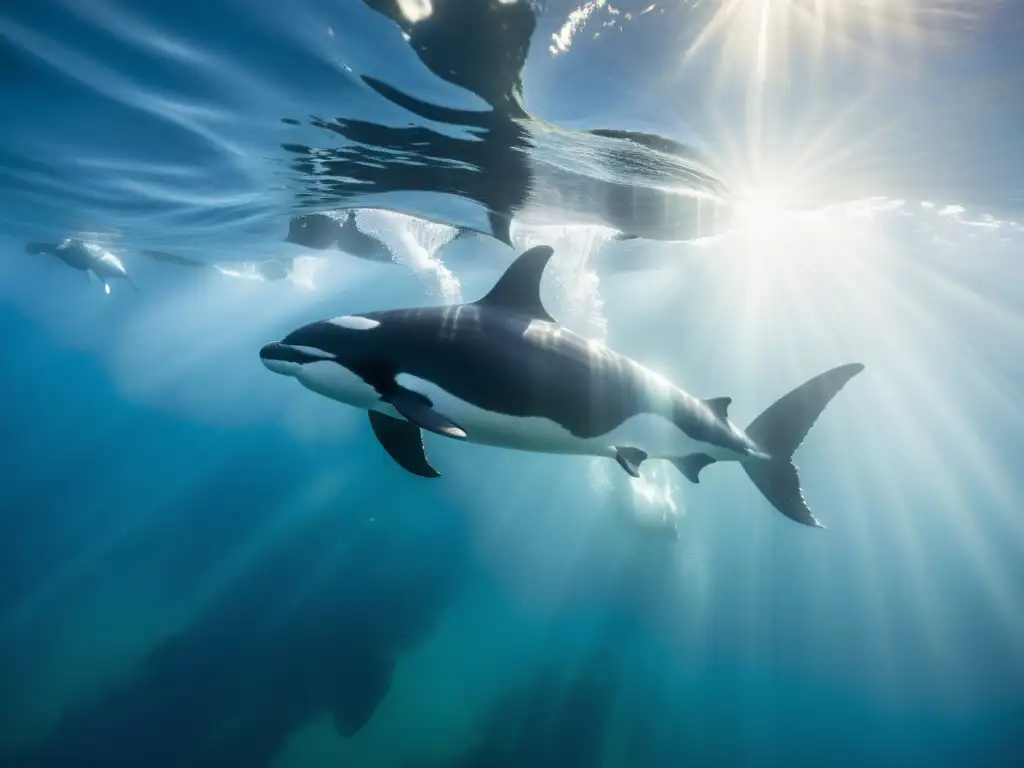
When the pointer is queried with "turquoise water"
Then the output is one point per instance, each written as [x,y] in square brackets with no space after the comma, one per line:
[202,564]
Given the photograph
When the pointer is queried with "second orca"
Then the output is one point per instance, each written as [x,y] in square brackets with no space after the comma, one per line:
[87,258]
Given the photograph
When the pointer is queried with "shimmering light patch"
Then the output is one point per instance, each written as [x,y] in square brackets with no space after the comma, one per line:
[416,10]
[562,40]
[761,211]
[657,381]
[655,502]
[304,272]
[757,36]
[354,323]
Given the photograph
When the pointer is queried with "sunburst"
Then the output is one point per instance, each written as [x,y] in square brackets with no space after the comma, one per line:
[760,37]
[766,51]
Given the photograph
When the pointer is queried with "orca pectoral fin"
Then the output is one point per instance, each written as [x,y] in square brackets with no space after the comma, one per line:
[420,411]
[404,443]
[630,459]
[691,465]
[501,227]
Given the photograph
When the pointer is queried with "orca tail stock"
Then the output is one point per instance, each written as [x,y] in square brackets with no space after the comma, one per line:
[780,429]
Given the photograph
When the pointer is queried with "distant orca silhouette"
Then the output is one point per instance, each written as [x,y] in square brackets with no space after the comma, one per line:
[513,165]
[269,269]
[87,258]
[318,231]
[501,371]
[322,231]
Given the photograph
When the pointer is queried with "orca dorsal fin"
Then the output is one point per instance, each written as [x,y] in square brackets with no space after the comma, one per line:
[518,290]
[719,406]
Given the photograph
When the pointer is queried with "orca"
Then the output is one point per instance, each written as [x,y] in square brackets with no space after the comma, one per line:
[87,258]
[267,270]
[322,231]
[502,372]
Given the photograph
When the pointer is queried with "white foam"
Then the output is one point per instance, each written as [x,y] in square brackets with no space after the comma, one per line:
[415,243]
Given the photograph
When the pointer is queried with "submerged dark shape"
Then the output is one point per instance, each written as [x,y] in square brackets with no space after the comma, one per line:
[267,269]
[501,371]
[561,715]
[317,231]
[316,625]
[511,164]
[87,258]
[478,45]
[321,231]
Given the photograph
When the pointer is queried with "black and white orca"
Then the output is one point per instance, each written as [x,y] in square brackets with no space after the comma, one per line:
[502,372]
[87,258]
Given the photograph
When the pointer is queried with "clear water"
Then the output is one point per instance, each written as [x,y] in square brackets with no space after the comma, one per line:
[202,564]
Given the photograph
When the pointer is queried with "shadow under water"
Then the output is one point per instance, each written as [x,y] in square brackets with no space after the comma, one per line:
[510,163]
[276,650]
[559,716]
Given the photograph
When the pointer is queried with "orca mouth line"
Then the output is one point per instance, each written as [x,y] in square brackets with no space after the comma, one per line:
[276,352]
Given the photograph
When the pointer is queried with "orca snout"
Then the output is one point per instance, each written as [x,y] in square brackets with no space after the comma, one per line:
[269,351]
[280,358]
[288,359]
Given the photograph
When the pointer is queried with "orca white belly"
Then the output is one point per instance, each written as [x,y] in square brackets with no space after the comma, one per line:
[651,432]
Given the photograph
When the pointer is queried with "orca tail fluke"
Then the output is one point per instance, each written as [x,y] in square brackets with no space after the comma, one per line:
[778,432]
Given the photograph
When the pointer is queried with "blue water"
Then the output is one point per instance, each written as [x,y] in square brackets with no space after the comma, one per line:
[203,564]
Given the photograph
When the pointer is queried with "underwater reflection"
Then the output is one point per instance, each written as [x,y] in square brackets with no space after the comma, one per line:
[513,165]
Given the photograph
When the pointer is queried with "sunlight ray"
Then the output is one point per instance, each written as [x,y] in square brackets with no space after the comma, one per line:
[783,275]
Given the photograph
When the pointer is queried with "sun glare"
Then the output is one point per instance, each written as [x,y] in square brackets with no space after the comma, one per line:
[760,211]
[758,36]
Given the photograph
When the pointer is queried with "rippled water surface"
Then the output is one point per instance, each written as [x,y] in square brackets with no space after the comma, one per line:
[203,564]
